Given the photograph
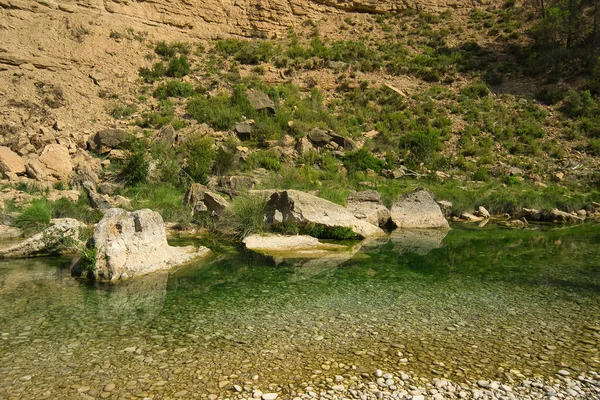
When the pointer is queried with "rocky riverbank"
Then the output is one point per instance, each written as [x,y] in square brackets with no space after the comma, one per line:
[400,385]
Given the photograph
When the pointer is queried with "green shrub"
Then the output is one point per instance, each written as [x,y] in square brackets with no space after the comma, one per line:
[362,160]
[35,217]
[267,159]
[178,67]
[87,259]
[169,50]
[118,110]
[137,161]
[216,111]
[476,90]
[245,215]
[162,198]
[154,74]
[199,154]
[328,232]
[173,88]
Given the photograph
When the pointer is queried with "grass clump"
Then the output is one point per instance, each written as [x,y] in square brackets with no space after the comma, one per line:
[245,215]
[35,217]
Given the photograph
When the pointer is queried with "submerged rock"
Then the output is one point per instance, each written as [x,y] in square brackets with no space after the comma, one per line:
[61,237]
[296,207]
[293,246]
[309,255]
[418,210]
[129,244]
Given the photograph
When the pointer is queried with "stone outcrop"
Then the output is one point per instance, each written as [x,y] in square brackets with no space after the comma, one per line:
[106,140]
[367,206]
[554,215]
[11,162]
[418,210]
[293,206]
[61,237]
[200,199]
[260,101]
[129,244]
[56,161]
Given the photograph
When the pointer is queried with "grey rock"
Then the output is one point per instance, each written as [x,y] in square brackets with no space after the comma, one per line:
[302,209]
[243,130]
[319,137]
[214,202]
[106,140]
[129,244]
[418,210]
[367,206]
[260,101]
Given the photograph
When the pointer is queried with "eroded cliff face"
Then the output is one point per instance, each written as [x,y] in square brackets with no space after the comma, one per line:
[60,59]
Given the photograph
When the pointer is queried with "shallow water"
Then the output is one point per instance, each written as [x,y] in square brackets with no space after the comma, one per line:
[479,303]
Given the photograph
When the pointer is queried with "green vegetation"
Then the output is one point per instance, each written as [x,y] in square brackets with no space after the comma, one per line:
[245,216]
[35,217]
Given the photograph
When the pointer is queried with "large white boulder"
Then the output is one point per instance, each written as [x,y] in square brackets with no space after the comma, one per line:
[296,207]
[418,210]
[134,243]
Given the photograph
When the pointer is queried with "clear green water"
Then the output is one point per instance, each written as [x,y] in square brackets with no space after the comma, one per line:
[474,304]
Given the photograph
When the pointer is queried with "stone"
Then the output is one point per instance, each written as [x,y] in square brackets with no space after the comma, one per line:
[243,130]
[238,182]
[269,396]
[9,232]
[57,161]
[130,244]
[418,210]
[61,237]
[468,217]
[99,201]
[273,244]
[260,101]
[106,140]
[446,207]
[11,162]
[304,146]
[554,215]
[213,202]
[564,372]
[482,212]
[346,143]
[319,137]
[302,209]
[367,206]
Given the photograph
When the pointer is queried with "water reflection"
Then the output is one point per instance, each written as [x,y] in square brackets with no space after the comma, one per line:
[448,302]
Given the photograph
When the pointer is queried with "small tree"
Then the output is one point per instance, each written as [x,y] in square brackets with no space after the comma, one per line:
[199,154]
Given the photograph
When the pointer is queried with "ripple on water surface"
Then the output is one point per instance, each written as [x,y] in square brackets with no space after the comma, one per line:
[473,304]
